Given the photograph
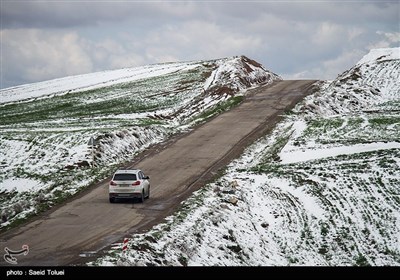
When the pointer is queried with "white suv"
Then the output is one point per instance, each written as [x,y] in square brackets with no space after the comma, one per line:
[129,184]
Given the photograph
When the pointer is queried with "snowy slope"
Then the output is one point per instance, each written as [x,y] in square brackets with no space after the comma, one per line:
[373,80]
[240,71]
[46,126]
[88,81]
[322,189]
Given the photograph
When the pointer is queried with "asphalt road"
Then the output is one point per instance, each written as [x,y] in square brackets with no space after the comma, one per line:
[85,226]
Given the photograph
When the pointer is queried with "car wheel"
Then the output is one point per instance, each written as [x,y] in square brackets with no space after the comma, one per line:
[112,199]
[148,193]
[141,199]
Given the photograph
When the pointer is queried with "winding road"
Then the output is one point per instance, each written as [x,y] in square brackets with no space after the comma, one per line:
[84,227]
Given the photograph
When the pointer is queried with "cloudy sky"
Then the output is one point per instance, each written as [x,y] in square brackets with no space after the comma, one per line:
[42,40]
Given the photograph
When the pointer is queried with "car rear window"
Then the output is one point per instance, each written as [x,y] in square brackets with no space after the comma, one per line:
[124,177]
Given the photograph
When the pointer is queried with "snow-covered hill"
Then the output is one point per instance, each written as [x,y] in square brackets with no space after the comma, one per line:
[373,80]
[46,126]
[235,73]
[322,189]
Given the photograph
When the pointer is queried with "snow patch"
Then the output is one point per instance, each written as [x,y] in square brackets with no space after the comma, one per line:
[307,201]
[289,156]
[20,185]
[376,55]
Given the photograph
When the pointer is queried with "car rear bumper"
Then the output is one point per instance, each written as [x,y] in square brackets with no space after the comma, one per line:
[125,195]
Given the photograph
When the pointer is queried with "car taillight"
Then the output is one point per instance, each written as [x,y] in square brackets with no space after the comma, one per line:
[137,183]
[112,183]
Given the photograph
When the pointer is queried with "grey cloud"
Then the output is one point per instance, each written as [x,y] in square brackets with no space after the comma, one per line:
[293,39]
[60,14]
[354,12]
[34,55]
[43,15]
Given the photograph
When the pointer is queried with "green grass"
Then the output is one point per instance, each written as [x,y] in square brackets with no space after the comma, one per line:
[145,95]
[361,260]
[371,127]
[220,108]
